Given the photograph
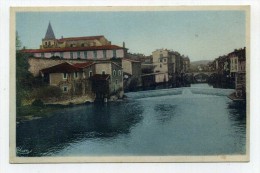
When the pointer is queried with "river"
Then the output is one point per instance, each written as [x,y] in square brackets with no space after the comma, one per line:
[197,120]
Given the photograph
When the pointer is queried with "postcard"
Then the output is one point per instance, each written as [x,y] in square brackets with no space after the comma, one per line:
[129,84]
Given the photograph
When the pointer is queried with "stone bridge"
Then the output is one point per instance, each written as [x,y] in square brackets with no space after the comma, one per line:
[202,73]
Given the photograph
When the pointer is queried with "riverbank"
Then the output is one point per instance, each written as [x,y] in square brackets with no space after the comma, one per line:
[31,112]
[235,98]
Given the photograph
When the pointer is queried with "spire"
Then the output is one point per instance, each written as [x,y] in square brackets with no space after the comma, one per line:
[49,34]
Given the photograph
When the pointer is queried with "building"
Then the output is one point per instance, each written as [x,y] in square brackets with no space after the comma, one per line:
[133,71]
[162,64]
[231,71]
[89,48]
[104,79]
[238,67]
[186,65]
[50,41]
[171,63]
[237,61]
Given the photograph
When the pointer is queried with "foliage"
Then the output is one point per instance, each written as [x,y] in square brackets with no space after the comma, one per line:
[47,92]
[38,102]
[23,77]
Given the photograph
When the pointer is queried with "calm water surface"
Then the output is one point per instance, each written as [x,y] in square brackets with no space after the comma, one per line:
[199,120]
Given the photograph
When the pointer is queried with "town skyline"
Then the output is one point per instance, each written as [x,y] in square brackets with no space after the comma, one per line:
[203,35]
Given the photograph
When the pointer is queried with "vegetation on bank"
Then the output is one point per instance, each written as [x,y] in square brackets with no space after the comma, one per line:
[30,90]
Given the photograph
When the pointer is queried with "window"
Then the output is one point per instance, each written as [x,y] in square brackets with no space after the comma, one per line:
[116,81]
[95,54]
[85,54]
[65,75]
[84,76]
[42,55]
[103,72]
[71,45]
[49,43]
[71,55]
[75,75]
[164,59]
[160,65]
[160,60]
[119,72]
[114,72]
[61,55]
[90,74]
[114,53]
[78,54]
[65,89]
[161,55]
[104,53]
[82,45]
[46,43]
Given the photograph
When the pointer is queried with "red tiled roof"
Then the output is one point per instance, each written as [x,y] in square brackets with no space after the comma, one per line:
[61,68]
[131,60]
[83,65]
[100,77]
[80,38]
[71,49]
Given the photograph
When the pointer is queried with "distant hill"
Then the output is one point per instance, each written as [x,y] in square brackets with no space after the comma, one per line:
[199,65]
[201,62]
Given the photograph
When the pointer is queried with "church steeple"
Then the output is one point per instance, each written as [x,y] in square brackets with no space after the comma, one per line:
[49,34]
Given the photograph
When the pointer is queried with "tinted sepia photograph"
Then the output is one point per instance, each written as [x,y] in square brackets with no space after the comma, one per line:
[129,84]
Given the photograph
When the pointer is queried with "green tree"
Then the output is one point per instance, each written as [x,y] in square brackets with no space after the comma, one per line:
[24,79]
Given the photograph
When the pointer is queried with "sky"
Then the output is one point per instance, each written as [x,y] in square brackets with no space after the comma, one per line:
[200,35]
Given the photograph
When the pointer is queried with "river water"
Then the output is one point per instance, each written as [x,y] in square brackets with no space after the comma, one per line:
[198,120]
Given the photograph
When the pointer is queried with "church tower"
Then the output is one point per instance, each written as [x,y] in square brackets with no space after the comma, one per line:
[49,41]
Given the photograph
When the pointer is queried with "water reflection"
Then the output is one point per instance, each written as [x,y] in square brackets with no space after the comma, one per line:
[49,135]
[198,120]
[237,116]
[165,112]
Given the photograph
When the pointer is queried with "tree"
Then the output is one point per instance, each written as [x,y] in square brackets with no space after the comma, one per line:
[24,79]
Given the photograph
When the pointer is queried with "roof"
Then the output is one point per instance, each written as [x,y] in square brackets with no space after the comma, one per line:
[71,49]
[61,68]
[131,60]
[83,65]
[100,77]
[80,38]
[240,53]
[151,74]
[49,33]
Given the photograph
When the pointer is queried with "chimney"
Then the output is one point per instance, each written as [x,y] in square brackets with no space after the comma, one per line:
[123,44]
[62,37]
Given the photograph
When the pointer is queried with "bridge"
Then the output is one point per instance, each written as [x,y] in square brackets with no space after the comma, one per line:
[208,73]
[201,76]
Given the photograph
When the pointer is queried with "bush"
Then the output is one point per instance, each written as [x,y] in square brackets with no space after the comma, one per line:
[48,92]
[38,102]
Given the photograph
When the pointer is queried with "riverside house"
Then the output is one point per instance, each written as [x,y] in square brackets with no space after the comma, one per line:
[238,71]
[104,78]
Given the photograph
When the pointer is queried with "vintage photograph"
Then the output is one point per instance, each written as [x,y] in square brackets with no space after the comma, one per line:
[129,84]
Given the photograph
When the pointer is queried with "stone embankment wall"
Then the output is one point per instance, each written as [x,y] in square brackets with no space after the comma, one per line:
[37,64]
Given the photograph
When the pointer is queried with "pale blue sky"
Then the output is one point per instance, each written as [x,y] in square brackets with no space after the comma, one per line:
[198,34]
